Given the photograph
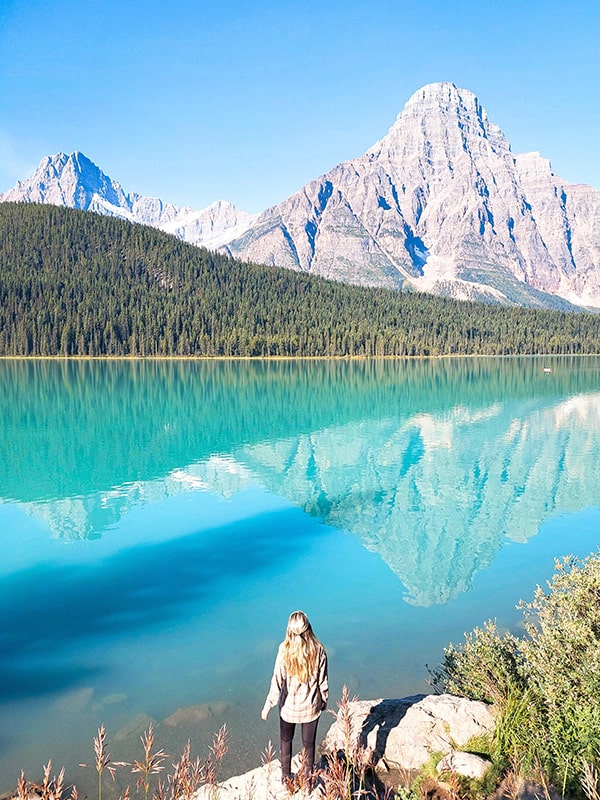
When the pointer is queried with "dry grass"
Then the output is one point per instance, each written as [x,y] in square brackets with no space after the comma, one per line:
[152,763]
[350,774]
[187,774]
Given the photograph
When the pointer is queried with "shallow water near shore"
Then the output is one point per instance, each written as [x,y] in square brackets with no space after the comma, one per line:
[160,520]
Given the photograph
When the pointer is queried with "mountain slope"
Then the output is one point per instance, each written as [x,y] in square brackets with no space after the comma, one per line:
[440,204]
[76,182]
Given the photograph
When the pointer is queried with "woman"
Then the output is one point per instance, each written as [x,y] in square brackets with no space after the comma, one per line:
[299,685]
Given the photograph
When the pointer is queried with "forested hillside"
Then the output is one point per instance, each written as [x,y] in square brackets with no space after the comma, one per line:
[75,283]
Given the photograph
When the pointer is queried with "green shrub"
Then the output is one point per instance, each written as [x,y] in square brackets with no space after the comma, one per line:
[486,667]
[546,685]
[562,655]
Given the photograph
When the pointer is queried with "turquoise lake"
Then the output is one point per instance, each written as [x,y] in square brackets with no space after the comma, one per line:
[159,520]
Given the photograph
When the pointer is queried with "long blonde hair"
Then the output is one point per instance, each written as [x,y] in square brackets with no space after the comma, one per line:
[300,648]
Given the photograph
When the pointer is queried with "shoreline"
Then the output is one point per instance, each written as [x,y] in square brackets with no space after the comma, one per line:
[397,735]
[441,356]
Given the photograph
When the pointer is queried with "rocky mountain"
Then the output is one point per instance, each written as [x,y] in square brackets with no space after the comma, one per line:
[75,181]
[441,204]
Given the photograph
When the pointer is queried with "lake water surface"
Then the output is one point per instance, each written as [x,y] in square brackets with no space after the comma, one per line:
[160,520]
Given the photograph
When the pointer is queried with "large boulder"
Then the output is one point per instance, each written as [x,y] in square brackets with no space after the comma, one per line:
[402,734]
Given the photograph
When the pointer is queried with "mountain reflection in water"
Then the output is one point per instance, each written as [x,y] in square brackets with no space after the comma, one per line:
[432,464]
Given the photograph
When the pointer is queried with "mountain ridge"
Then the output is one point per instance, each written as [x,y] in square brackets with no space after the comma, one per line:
[439,204]
[76,182]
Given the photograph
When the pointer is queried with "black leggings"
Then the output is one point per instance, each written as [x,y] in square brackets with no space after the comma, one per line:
[309,737]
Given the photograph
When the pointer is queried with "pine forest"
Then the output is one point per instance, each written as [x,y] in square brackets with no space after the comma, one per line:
[73,283]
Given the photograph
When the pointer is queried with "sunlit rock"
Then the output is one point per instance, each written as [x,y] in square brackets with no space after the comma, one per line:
[402,734]
[467,764]
[398,734]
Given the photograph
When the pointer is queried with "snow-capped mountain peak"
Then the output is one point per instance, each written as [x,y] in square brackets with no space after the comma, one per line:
[75,181]
[441,204]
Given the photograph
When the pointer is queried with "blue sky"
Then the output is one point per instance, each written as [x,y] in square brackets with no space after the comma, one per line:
[247,101]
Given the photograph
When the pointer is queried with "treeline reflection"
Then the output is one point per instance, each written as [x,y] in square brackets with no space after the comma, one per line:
[71,427]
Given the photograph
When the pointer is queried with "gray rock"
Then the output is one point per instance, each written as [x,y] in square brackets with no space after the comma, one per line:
[75,702]
[467,764]
[258,784]
[402,734]
[135,727]
[195,715]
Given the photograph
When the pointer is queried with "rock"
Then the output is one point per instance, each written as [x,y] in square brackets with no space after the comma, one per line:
[467,764]
[113,699]
[193,715]
[263,782]
[401,734]
[135,727]
[75,702]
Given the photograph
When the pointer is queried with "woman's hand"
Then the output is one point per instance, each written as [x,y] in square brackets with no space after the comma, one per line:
[265,712]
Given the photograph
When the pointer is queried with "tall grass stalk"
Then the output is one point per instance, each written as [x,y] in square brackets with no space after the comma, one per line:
[151,764]
[345,774]
[188,773]
[267,758]
[513,779]
[22,792]
[589,781]
[51,788]
[103,760]
[218,749]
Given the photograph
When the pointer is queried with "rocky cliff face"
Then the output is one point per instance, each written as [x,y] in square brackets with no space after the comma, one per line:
[568,220]
[441,204]
[75,181]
